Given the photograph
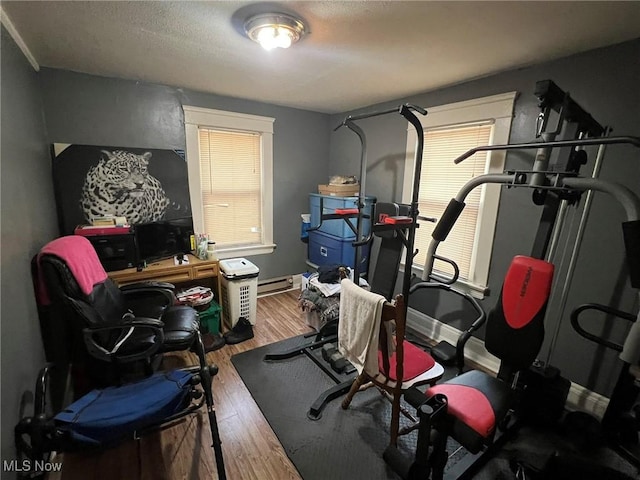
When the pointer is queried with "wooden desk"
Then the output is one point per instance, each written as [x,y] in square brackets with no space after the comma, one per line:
[196,272]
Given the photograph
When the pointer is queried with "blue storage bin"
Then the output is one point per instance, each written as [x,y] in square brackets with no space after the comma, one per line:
[338,227]
[330,250]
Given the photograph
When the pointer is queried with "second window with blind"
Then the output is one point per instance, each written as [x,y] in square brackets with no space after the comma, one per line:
[229,158]
[449,131]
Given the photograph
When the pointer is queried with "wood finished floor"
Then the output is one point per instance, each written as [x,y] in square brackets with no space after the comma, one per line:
[251,449]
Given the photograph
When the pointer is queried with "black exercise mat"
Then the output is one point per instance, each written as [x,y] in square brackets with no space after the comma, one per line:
[340,444]
[348,444]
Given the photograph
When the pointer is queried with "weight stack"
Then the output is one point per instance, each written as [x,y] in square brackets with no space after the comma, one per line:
[544,396]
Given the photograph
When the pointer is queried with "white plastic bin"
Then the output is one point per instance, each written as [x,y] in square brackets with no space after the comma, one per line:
[239,290]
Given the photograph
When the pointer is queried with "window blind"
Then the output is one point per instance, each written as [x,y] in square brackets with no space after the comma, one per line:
[230,179]
[440,181]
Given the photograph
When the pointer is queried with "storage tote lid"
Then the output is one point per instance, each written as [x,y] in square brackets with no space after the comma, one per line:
[238,268]
[368,198]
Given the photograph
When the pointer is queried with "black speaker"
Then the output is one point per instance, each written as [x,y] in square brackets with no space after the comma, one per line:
[115,251]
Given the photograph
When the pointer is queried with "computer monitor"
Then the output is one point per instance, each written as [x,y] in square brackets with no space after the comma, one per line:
[163,239]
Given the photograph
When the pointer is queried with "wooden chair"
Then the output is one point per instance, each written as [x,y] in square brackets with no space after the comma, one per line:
[390,356]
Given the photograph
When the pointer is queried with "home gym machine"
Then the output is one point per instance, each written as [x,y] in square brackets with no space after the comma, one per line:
[395,224]
[556,185]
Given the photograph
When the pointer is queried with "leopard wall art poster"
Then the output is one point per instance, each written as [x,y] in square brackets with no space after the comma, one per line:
[142,184]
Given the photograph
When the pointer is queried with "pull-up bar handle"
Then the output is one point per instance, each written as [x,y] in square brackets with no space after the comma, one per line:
[635,141]
[417,108]
[398,109]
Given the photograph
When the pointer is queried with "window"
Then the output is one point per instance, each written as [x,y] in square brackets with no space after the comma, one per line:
[449,131]
[230,163]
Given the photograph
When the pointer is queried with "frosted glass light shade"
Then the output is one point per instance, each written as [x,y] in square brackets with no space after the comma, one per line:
[274,30]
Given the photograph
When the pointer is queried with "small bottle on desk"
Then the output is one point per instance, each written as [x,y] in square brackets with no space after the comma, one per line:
[211,251]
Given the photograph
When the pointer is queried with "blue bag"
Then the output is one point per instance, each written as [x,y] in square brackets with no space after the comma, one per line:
[104,417]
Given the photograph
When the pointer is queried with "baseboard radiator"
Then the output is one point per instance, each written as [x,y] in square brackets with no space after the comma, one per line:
[273,285]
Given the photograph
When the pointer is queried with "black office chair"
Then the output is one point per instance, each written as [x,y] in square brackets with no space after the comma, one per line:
[102,335]
[97,329]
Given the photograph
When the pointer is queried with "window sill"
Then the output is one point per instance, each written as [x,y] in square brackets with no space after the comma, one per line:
[245,251]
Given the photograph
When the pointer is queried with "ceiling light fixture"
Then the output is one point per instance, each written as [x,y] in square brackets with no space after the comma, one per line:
[273,30]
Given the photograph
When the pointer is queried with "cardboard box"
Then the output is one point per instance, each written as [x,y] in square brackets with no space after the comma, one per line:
[347,190]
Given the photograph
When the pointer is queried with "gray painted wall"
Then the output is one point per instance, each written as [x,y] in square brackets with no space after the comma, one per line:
[93,110]
[605,82]
[28,221]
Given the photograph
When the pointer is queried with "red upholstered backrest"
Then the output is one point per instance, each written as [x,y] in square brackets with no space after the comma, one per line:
[526,290]
[515,327]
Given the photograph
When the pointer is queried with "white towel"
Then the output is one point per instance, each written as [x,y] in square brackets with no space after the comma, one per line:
[359,326]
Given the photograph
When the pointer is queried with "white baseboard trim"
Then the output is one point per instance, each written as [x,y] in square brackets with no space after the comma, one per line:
[437,331]
[579,397]
[584,400]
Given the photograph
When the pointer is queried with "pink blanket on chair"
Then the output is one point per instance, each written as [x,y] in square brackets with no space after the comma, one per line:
[81,259]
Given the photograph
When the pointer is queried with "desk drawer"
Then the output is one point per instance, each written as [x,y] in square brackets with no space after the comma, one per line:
[183,275]
[205,271]
[174,277]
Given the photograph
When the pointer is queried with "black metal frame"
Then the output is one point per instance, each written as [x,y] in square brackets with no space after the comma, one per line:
[564,186]
[406,232]
[625,393]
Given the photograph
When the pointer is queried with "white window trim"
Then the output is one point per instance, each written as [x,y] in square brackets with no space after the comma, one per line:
[499,110]
[195,117]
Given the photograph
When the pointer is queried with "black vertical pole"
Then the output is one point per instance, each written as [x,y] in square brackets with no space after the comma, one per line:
[361,196]
[406,112]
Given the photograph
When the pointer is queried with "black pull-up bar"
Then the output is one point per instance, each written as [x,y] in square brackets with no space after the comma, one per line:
[635,141]
[399,109]
[406,110]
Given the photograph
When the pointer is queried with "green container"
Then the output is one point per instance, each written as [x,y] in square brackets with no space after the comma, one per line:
[210,318]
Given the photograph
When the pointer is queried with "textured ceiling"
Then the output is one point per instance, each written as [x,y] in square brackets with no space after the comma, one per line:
[358,53]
